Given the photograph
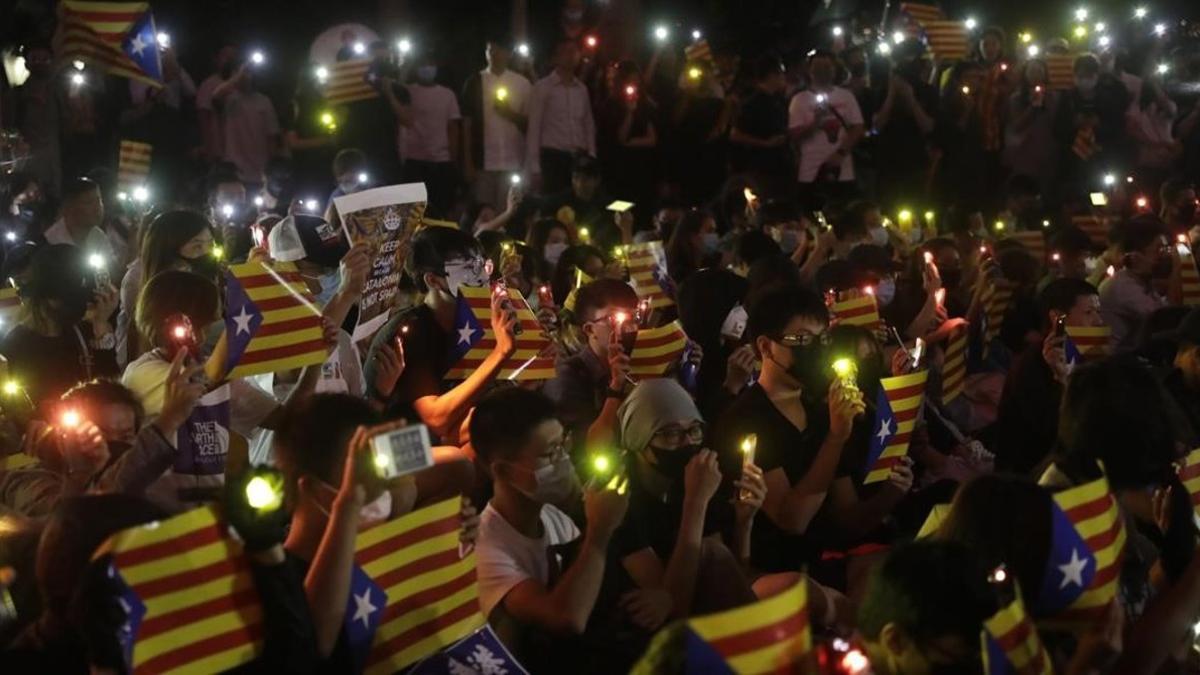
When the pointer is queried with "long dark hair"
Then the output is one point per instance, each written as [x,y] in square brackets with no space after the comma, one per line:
[683,258]
[166,234]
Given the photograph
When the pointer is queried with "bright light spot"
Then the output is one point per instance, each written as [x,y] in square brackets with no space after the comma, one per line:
[601,463]
[227,210]
[1033,50]
[77,79]
[12,388]
[96,261]
[1160,29]
[258,58]
[694,73]
[523,49]
[10,235]
[1026,37]
[966,90]
[261,495]
[929,215]
[843,367]
[1162,68]
[218,252]
[1129,179]
[584,233]
[362,177]
[1100,27]
[258,200]
[405,45]
[1056,257]
[179,332]
[141,194]
[696,34]
[1104,40]
[1000,225]
[898,37]
[1139,13]
[1045,223]
[122,196]
[971,23]
[516,179]
[164,39]
[327,119]
[855,662]
[1081,14]
[70,418]
[1109,179]
[928,258]
[904,215]
[821,98]
[1080,31]
[359,48]
[885,48]
[1142,202]
[322,73]
[311,204]
[837,31]
[591,41]
[661,33]
[381,460]
[77,64]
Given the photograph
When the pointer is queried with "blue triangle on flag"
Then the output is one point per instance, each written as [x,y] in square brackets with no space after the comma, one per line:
[995,660]
[141,46]
[467,331]
[134,609]
[242,320]
[1070,568]
[701,658]
[884,429]
[364,609]
[1071,352]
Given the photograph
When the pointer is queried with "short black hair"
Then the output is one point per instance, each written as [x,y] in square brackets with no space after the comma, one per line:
[220,174]
[602,293]
[778,211]
[766,66]
[836,275]
[773,307]
[771,270]
[173,292]
[754,245]
[1071,240]
[1140,232]
[348,159]
[930,589]
[503,420]
[431,247]
[100,392]
[851,221]
[312,435]
[77,186]
[1061,295]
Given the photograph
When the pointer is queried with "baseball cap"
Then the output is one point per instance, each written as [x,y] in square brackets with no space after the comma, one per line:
[307,237]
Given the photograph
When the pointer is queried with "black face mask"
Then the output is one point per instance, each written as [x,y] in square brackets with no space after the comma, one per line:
[951,278]
[118,448]
[1186,213]
[72,307]
[857,69]
[1162,267]
[671,463]
[810,367]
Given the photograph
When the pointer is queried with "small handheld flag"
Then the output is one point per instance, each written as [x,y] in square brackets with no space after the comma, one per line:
[648,273]
[854,308]
[348,82]
[1189,276]
[1084,343]
[922,12]
[581,280]
[1060,70]
[475,339]
[272,323]
[133,165]
[769,636]
[933,522]
[997,297]
[1189,475]
[1011,645]
[119,37]
[1033,241]
[954,367]
[656,349]
[898,405]
[948,40]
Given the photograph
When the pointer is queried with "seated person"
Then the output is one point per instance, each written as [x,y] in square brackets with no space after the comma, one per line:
[1130,295]
[1073,248]
[1183,381]
[589,386]
[527,590]
[440,260]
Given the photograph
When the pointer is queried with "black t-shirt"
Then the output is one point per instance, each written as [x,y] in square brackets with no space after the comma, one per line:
[900,145]
[1027,425]
[780,446]
[48,366]
[653,521]
[427,350]
[763,116]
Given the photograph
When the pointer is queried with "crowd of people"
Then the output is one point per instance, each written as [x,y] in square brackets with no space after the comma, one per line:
[971,200]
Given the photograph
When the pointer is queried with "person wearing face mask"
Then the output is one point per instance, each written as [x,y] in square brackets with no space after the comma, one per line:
[440,261]
[429,137]
[1089,126]
[1178,211]
[802,420]
[1076,256]
[551,238]
[693,245]
[65,334]
[534,600]
[322,448]
[758,140]
[249,123]
[826,122]
[1130,295]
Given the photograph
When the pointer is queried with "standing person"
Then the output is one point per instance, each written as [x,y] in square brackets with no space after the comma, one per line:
[79,219]
[1128,297]
[903,121]
[628,138]
[1029,147]
[208,109]
[37,111]
[758,140]
[1089,126]
[250,125]
[429,141]
[495,102]
[1150,121]
[374,123]
[827,123]
[560,122]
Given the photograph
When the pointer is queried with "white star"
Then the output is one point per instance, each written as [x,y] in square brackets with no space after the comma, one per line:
[137,45]
[243,321]
[363,609]
[465,334]
[1073,571]
[885,430]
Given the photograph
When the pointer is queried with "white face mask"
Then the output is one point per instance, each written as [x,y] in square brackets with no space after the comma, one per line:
[710,241]
[885,292]
[461,272]
[372,513]
[554,482]
[553,252]
[879,236]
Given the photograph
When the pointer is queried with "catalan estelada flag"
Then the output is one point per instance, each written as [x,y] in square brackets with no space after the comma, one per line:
[922,12]
[1060,70]
[1189,475]
[769,636]
[348,82]
[189,599]
[656,349]
[133,164]
[954,366]
[10,308]
[1095,227]
[118,37]
[854,308]
[648,273]
[896,410]
[1189,276]
[271,322]
[933,522]
[474,339]
[1084,343]
[1086,543]
[1033,241]
[996,298]
[698,52]
[1011,645]
[411,592]
[948,40]
[581,280]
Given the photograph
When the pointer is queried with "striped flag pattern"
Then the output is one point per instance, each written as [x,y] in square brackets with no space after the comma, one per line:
[189,599]
[17,460]
[412,592]
[10,307]
[1085,145]
[1189,275]
[581,280]
[348,82]
[534,358]
[769,636]
[271,323]
[698,52]
[133,164]
[119,37]
[1085,343]
[933,522]
[855,308]
[949,40]
[1189,475]
[656,349]
[1011,645]
[954,367]
[648,273]
[922,13]
[1095,227]
[896,411]
[1060,70]
[997,297]
[1087,541]
[1034,241]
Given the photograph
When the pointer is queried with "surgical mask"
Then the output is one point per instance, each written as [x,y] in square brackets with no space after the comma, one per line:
[573,15]
[879,236]
[553,483]
[471,273]
[710,241]
[552,252]
[427,74]
[885,292]
[1086,84]
[329,287]
[672,462]
[374,512]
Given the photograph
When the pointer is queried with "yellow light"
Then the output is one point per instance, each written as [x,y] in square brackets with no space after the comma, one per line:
[218,252]
[12,388]
[506,246]
[999,225]
[843,367]
[1026,37]
[749,446]
[327,119]
[905,216]
[749,195]
[71,419]
[1080,32]
[261,495]
[381,460]
[966,90]
[929,216]
[601,463]
[501,94]
[584,234]
[694,73]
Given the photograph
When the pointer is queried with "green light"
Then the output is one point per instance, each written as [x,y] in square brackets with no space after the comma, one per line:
[261,495]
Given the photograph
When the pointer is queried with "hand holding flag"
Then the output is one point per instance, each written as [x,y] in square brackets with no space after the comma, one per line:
[527,357]
[769,636]
[899,403]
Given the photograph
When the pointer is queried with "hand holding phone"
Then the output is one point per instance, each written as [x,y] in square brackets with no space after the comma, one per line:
[399,450]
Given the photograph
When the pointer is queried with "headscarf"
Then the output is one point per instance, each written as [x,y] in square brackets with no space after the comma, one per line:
[652,405]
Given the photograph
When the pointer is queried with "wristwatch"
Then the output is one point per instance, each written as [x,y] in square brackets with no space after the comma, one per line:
[106,341]
[618,394]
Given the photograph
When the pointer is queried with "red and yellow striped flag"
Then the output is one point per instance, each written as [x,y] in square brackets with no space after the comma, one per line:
[1060,70]
[1095,227]
[1189,475]
[896,411]
[768,636]
[997,296]
[948,40]
[698,52]
[921,12]
[854,308]
[271,323]
[1085,343]
[581,280]
[118,37]
[412,592]
[188,595]
[656,349]
[10,308]
[1011,645]
[648,273]
[133,164]
[348,82]
[1189,276]
[1085,145]
[954,367]
[1033,241]
[534,358]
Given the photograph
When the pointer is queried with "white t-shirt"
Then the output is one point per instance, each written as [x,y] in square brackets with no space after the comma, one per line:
[428,139]
[503,141]
[250,127]
[818,145]
[203,441]
[506,557]
[95,242]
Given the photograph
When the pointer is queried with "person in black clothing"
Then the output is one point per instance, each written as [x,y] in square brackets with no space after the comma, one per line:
[373,119]
[758,140]
[694,136]
[1028,419]
[584,205]
[1089,126]
[1183,381]
[904,119]
[627,139]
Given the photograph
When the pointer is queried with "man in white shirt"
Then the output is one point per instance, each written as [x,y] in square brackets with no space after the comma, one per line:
[560,122]
[495,102]
[826,123]
[251,127]
[80,218]
[523,585]
[429,141]
[1129,297]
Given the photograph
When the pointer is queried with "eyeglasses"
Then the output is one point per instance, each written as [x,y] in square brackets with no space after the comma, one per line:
[675,435]
[805,340]
[475,265]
